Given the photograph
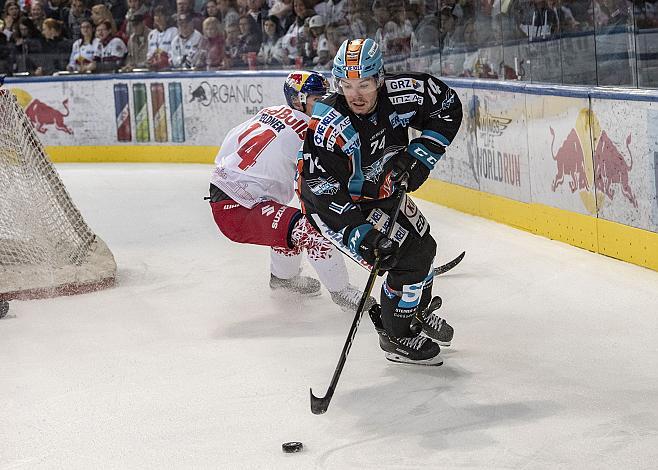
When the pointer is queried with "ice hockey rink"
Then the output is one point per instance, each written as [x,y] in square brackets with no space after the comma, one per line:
[191,362]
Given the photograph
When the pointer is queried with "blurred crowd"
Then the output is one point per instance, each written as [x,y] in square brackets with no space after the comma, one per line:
[42,37]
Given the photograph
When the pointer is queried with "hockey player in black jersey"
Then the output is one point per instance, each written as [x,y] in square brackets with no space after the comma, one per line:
[356,148]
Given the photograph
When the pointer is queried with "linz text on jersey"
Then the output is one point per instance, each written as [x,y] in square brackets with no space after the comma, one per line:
[274,117]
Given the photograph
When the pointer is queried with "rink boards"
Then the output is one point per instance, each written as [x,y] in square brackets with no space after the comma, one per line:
[575,164]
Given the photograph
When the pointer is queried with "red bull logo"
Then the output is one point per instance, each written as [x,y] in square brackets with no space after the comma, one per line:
[604,171]
[295,78]
[610,168]
[570,160]
[42,115]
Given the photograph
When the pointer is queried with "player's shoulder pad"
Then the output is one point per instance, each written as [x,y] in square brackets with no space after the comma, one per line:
[329,127]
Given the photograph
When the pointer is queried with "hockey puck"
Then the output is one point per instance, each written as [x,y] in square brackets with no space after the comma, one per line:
[292,447]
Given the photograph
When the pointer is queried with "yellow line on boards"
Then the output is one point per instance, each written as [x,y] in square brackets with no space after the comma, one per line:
[133,153]
[612,239]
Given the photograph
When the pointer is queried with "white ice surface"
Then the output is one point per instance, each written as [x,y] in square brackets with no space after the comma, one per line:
[191,362]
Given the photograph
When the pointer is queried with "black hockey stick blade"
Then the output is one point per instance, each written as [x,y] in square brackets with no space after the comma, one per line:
[320,405]
[449,265]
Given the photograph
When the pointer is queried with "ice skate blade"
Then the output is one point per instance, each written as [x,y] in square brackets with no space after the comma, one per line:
[433,361]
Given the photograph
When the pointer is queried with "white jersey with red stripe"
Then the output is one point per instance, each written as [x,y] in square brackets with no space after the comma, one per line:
[258,158]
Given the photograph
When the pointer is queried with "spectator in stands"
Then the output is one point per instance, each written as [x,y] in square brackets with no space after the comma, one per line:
[258,11]
[565,19]
[582,13]
[336,35]
[117,9]
[26,42]
[232,45]
[37,14]
[283,10]
[56,9]
[227,12]
[11,13]
[611,13]
[361,20]
[540,22]
[5,54]
[210,9]
[135,7]
[250,38]
[336,12]
[185,7]
[381,15]
[160,40]
[137,44]
[293,41]
[55,47]
[82,52]
[211,50]
[270,51]
[428,31]
[100,13]
[185,46]
[111,51]
[319,49]
[76,15]
[395,37]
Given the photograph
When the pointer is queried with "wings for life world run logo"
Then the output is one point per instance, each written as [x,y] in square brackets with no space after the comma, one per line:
[43,116]
[150,123]
[610,171]
[484,131]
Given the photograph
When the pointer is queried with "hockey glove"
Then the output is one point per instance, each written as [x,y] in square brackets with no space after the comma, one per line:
[417,173]
[375,244]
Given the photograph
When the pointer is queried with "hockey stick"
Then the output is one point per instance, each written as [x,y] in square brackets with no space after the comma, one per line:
[449,265]
[319,405]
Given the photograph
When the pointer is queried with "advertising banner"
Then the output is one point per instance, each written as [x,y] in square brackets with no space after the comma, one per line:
[624,146]
[181,110]
[559,144]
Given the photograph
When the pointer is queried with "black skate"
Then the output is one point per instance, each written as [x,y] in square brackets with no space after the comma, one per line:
[432,325]
[348,299]
[299,284]
[410,350]
[407,350]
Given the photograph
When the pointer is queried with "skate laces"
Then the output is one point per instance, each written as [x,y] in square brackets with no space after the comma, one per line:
[413,343]
[434,321]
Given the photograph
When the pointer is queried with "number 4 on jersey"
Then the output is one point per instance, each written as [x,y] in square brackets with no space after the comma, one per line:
[254,146]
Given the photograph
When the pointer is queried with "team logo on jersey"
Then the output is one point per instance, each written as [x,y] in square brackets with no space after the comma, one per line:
[267,210]
[408,98]
[405,84]
[319,186]
[400,119]
[373,172]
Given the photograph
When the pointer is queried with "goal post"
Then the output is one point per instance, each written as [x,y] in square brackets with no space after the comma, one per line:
[46,247]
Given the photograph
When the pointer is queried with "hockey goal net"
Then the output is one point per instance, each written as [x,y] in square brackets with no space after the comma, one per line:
[46,248]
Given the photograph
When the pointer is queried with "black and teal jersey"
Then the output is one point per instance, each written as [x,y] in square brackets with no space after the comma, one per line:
[347,159]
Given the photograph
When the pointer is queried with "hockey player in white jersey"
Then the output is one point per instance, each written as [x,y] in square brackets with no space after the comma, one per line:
[253,183]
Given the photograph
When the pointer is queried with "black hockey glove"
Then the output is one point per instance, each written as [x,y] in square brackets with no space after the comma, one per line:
[375,244]
[417,173]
